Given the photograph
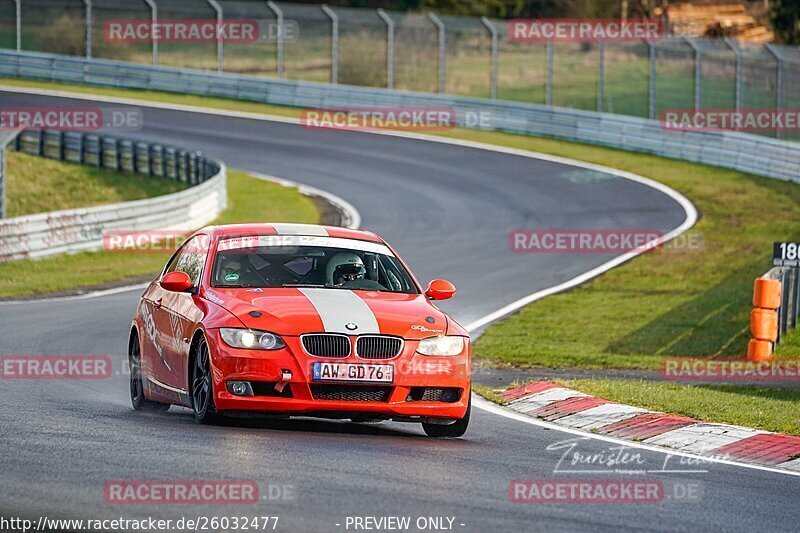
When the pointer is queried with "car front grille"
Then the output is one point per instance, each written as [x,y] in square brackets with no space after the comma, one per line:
[378,346]
[351,393]
[326,345]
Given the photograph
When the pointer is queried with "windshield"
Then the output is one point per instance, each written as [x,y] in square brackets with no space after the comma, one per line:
[302,261]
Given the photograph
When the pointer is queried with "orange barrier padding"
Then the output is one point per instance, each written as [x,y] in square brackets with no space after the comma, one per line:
[767,293]
[759,351]
[764,324]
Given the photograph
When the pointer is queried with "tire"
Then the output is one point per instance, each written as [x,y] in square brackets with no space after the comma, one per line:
[138,399]
[449,431]
[202,386]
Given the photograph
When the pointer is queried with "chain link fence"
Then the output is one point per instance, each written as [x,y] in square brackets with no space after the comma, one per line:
[426,52]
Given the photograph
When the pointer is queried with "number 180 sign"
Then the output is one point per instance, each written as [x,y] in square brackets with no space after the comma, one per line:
[786,254]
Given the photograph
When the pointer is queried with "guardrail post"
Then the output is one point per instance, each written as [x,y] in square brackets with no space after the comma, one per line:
[334,42]
[154,22]
[779,76]
[220,43]
[493,77]
[548,88]
[88,4]
[18,30]
[601,74]
[651,97]
[389,47]
[279,16]
[739,72]
[442,51]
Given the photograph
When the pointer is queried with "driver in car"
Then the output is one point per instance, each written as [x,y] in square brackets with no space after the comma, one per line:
[344,268]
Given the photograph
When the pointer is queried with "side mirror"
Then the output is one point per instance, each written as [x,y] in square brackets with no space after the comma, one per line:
[176,281]
[440,289]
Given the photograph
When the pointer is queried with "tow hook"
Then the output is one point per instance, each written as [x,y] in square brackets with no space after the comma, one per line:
[286,377]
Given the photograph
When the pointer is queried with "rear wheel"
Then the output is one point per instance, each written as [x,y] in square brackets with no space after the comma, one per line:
[450,431]
[138,400]
[202,386]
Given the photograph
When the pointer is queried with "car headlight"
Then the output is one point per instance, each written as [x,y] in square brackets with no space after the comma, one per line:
[441,345]
[251,339]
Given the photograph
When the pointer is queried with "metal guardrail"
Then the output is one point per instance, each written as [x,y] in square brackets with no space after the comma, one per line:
[72,230]
[739,151]
[117,154]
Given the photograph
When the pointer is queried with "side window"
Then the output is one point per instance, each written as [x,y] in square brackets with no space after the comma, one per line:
[190,258]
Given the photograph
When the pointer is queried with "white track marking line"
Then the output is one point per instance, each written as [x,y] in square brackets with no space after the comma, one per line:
[486,405]
[86,296]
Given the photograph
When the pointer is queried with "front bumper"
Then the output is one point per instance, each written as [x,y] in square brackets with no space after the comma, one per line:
[402,399]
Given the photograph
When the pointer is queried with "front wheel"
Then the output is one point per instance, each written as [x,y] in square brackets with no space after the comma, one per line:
[202,386]
[449,431]
[138,400]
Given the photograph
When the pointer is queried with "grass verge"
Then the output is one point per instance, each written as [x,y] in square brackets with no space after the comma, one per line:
[32,181]
[760,408]
[249,200]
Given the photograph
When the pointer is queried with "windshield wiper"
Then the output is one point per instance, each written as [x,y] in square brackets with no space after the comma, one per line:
[314,285]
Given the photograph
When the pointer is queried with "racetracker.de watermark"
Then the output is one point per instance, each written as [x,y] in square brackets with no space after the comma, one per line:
[704,369]
[177,492]
[147,241]
[199,30]
[743,120]
[553,241]
[584,30]
[71,118]
[394,118]
[55,367]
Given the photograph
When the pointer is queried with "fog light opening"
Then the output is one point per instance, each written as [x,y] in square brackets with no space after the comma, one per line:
[240,388]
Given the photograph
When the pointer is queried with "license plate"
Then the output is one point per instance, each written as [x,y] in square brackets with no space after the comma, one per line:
[352,372]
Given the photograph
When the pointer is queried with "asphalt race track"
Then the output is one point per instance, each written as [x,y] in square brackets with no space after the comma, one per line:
[448,210]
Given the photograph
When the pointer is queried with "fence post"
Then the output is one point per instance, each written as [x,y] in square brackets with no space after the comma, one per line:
[796,297]
[739,71]
[548,89]
[442,51]
[601,74]
[3,144]
[779,76]
[389,47]
[220,43]
[493,77]
[698,73]
[19,24]
[154,22]
[279,19]
[88,4]
[334,42]
[651,98]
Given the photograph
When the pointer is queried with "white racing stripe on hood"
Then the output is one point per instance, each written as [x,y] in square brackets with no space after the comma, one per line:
[337,307]
[300,229]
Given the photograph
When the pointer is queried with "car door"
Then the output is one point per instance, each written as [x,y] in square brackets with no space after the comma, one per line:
[181,314]
[155,337]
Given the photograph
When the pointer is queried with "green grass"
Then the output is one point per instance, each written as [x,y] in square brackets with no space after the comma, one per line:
[32,180]
[761,408]
[249,200]
[661,304]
